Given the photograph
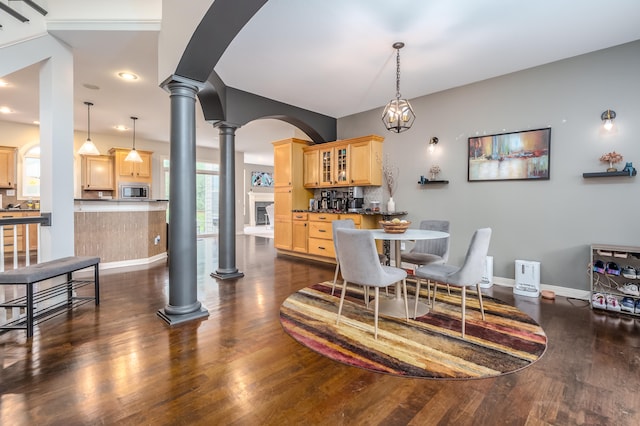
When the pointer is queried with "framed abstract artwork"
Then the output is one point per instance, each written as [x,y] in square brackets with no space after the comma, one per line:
[261,179]
[522,155]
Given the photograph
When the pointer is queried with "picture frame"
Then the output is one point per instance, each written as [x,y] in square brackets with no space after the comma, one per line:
[521,155]
[264,179]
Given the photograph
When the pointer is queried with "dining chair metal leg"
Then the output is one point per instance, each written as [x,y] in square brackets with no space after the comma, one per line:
[415,308]
[480,300]
[464,303]
[406,300]
[435,293]
[335,277]
[375,312]
[344,291]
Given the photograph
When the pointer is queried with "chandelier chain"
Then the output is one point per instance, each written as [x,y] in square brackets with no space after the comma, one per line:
[398,73]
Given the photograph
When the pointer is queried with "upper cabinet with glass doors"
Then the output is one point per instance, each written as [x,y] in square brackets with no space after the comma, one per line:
[349,162]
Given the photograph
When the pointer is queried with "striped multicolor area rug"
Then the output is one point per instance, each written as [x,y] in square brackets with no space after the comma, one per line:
[430,346]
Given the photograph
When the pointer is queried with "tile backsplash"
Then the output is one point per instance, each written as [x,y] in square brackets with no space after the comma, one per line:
[6,199]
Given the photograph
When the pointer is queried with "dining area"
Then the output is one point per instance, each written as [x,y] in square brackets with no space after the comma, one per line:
[407,313]
[360,264]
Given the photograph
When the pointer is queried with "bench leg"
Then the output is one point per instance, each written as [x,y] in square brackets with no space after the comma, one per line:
[29,310]
[96,281]
[69,288]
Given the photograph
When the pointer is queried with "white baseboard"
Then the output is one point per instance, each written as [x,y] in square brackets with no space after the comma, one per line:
[559,291]
[133,262]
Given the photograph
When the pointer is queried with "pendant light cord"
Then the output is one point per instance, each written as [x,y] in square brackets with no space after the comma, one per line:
[88,104]
[134,131]
[398,96]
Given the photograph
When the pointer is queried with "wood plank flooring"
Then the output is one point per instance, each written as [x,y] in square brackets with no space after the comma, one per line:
[121,364]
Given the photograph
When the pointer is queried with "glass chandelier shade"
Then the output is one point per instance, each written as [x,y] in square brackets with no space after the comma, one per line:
[133,155]
[88,147]
[398,115]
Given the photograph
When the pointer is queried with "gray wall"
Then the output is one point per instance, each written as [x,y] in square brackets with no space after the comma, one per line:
[552,221]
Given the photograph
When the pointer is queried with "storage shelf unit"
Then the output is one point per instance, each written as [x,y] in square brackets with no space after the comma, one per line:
[609,284]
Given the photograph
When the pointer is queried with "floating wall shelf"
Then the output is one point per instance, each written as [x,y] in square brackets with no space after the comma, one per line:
[608,174]
[433,182]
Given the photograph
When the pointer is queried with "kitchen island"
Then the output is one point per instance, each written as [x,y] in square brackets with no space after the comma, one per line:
[121,232]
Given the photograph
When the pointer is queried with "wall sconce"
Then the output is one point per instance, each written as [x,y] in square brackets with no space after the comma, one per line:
[608,116]
[432,143]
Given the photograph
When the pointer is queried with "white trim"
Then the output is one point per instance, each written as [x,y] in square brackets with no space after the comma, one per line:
[133,262]
[104,25]
[558,290]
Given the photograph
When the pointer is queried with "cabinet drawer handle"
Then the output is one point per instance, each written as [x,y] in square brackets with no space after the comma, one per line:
[321,248]
[322,217]
[321,230]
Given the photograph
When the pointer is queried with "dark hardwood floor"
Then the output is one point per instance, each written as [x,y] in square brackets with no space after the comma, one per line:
[121,364]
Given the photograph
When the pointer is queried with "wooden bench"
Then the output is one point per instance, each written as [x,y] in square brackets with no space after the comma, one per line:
[28,276]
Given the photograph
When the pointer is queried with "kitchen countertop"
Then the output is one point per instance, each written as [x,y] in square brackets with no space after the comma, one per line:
[19,210]
[119,200]
[363,211]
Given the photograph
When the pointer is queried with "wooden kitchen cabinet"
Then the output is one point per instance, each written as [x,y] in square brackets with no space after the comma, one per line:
[311,168]
[126,171]
[7,167]
[364,161]
[282,224]
[334,162]
[289,192]
[349,162]
[321,234]
[283,163]
[300,232]
[97,173]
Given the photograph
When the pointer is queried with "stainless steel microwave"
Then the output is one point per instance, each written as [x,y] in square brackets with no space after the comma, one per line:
[139,191]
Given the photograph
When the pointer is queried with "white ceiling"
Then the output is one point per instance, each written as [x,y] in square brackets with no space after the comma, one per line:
[333,57]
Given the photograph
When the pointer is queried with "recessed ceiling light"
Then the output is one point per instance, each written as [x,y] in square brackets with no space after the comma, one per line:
[121,127]
[91,86]
[5,110]
[126,75]
[4,83]
[36,122]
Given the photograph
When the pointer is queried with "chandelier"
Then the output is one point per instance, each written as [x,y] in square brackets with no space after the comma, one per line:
[398,115]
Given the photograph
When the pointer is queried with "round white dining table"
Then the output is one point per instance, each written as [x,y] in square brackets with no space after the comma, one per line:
[395,306]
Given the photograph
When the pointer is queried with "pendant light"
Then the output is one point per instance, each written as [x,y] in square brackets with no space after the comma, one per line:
[133,155]
[88,147]
[398,115]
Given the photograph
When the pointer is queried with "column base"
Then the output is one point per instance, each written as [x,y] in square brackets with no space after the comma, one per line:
[227,275]
[179,319]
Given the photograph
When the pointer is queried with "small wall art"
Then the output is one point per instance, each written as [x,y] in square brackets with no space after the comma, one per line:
[522,155]
[261,179]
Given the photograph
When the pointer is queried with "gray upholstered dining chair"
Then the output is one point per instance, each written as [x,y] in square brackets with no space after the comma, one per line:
[425,252]
[428,252]
[360,264]
[467,275]
[347,224]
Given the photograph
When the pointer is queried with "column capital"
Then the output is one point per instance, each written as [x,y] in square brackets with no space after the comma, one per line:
[225,125]
[175,82]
